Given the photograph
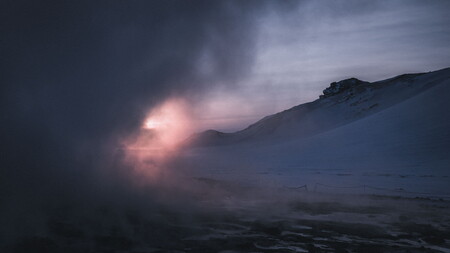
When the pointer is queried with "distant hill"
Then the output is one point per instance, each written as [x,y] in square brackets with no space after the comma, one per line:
[341,103]
[391,134]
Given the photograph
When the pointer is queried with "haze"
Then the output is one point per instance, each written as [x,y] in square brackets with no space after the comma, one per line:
[100,100]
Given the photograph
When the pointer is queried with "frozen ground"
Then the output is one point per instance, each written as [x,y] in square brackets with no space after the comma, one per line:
[247,219]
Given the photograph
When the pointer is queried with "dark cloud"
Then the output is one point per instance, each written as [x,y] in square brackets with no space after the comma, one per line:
[77,75]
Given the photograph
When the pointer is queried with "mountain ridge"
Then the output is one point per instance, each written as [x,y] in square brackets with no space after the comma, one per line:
[341,103]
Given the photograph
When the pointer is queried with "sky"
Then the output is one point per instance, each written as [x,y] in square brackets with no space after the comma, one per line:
[235,61]
[298,53]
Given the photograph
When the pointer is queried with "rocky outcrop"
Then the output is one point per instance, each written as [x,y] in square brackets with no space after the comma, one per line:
[339,87]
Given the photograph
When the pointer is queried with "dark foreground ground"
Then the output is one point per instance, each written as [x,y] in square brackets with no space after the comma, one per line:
[281,221]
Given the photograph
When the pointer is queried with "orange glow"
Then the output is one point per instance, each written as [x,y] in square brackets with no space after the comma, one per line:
[162,131]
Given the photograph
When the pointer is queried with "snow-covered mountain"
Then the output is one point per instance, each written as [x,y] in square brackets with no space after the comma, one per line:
[394,133]
[342,103]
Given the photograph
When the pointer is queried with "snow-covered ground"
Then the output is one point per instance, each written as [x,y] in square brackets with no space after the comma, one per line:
[389,137]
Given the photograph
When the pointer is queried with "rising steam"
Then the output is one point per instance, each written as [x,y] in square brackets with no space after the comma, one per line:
[159,137]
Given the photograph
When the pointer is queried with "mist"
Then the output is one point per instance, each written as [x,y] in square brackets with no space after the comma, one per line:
[100,99]
[79,78]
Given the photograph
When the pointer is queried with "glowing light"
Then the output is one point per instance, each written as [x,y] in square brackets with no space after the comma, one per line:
[169,123]
[163,130]
[152,124]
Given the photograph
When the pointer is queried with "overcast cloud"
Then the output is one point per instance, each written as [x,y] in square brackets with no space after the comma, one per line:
[298,53]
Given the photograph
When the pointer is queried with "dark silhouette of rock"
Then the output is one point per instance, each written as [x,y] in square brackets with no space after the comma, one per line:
[338,87]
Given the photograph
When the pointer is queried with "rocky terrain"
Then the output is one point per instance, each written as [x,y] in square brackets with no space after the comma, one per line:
[286,220]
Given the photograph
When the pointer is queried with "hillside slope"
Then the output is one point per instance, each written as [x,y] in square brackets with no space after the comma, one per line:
[343,102]
[402,142]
